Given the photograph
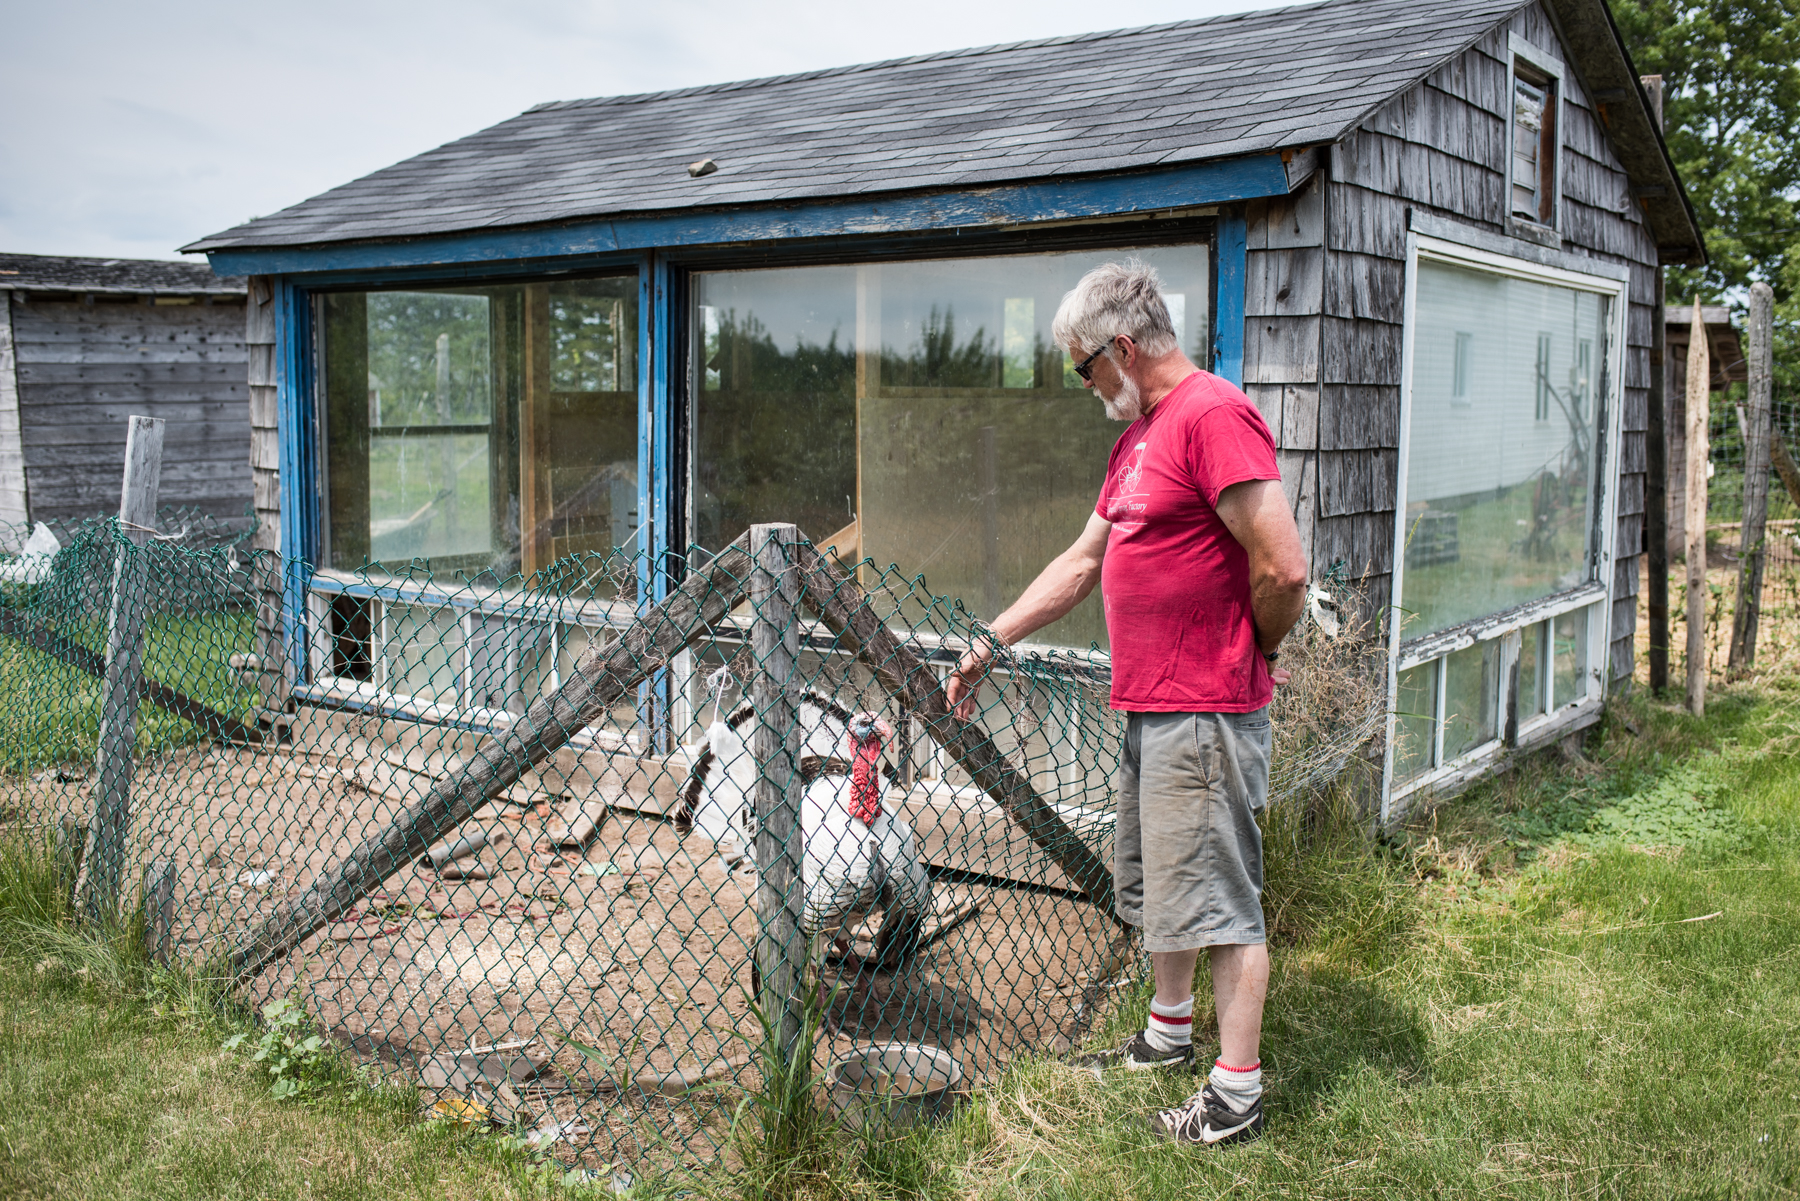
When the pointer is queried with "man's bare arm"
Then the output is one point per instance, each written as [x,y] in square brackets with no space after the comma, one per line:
[1058,588]
[1257,514]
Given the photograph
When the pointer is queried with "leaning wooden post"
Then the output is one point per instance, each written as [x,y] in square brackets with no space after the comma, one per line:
[1699,417]
[1756,480]
[606,672]
[775,745]
[110,823]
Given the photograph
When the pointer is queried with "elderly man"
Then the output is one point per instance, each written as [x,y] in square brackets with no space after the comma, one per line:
[1202,576]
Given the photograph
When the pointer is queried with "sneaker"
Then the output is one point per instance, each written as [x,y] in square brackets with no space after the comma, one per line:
[1137,1055]
[1206,1119]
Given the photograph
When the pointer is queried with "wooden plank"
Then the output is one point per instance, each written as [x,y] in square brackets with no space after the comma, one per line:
[110,823]
[1360,351]
[1365,221]
[606,672]
[1357,481]
[226,388]
[1359,416]
[216,411]
[132,373]
[781,948]
[1281,350]
[1284,283]
[1267,399]
[1297,219]
[1300,482]
[1363,285]
[1299,427]
[12,486]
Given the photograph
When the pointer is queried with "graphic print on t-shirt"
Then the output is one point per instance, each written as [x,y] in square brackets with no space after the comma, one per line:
[1126,507]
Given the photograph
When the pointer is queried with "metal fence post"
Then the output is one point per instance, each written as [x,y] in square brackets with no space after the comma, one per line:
[110,823]
[775,745]
[1756,480]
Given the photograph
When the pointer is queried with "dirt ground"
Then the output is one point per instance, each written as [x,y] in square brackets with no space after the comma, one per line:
[637,945]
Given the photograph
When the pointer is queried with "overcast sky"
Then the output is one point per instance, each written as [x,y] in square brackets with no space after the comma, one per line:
[135,126]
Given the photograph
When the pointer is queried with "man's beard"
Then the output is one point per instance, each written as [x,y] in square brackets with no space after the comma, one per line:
[1128,405]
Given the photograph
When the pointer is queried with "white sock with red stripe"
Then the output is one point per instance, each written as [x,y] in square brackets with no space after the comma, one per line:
[1237,1087]
[1171,1026]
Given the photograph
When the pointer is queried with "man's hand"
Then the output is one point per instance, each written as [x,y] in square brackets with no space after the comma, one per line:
[963,688]
[1279,676]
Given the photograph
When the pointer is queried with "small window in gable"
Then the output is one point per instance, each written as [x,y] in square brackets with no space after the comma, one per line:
[1534,144]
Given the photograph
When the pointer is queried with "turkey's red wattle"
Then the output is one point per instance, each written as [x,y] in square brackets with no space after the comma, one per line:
[865,782]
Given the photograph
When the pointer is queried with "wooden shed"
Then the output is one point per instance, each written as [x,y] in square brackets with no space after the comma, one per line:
[86,343]
[1424,235]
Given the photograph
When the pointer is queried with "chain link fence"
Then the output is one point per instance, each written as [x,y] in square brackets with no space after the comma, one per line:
[543,844]
[1725,486]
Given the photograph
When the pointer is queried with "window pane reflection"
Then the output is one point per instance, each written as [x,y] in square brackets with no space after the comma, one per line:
[1570,656]
[917,413]
[1415,726]
[487,429]
[1471,696]
[1531,671]
[1503,421]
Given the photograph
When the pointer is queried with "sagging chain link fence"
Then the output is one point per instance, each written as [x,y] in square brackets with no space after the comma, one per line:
[543,843]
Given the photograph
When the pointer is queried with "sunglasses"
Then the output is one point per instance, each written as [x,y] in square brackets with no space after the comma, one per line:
[1085,368]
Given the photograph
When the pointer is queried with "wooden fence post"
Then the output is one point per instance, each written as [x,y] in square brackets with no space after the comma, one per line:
[1699,416]
[781,947]
[159,910]
[1756,480]
[110,823]
[1656,465]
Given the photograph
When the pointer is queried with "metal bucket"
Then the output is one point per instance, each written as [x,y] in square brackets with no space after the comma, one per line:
[895,1085]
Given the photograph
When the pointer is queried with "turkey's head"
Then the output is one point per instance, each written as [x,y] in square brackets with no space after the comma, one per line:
[867,734]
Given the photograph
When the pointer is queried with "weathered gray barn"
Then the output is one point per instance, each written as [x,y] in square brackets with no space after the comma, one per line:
[1424,235]
[86,343]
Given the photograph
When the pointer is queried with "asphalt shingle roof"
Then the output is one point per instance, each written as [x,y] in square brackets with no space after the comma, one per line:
[56,273]
[1132,99]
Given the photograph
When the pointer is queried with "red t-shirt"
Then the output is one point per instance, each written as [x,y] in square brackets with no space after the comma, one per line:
[1176,583]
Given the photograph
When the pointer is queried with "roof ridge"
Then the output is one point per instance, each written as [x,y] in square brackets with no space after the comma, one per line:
[933,56]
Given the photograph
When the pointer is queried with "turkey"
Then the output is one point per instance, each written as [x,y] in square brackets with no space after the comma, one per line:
[856,856]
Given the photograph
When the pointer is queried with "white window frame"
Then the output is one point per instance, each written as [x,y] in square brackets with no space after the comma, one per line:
[1537,59]
[1506,626]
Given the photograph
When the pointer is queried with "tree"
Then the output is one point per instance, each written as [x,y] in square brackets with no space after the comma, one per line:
[1731,114]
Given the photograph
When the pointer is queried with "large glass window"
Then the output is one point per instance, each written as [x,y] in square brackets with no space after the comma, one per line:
[1500,470]
[1505,424]
[914,412]
[487,429]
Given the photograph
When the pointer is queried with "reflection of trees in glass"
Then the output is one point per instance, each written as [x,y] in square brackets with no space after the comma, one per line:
[1560,492]
[590,348]
[936,361]
[775,436]
[426,349]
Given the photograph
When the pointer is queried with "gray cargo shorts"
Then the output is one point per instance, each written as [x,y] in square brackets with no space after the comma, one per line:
[1188,864]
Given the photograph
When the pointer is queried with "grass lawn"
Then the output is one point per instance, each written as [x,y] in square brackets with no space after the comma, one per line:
[1581,979]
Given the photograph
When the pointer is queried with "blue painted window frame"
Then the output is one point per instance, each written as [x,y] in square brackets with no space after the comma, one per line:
[662,272]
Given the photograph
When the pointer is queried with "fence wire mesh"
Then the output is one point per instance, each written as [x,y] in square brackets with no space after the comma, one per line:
[522,841]
[601,890]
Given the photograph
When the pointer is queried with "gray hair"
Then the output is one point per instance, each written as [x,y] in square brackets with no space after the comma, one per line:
[1113,299]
